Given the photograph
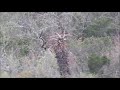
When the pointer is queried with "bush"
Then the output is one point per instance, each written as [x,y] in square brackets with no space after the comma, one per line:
[1,36]
[98,28]
[23,42]
[24,51]
[9,45]
[19,46]
[95,62]
[97,45]
[1,43]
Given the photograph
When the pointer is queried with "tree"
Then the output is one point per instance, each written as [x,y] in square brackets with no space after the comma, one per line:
[61,53]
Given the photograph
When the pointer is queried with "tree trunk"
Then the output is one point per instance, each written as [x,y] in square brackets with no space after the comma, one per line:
[62,59]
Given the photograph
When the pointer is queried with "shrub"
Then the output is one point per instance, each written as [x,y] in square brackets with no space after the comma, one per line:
[1,36]
[97,45]
[9,45]
[24,51]
[95,62]
[1,43]
[98,28]
[23,42]
[17,45]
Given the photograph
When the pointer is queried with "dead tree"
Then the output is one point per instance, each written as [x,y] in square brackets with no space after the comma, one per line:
[60,48]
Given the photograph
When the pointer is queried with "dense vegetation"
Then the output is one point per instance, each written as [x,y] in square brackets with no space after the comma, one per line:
[96,62]
[60,44]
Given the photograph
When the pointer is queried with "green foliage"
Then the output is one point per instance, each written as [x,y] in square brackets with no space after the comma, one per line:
[19,32]
[95,62]
[103,22]
[1,36]
[112,31]
[24,51]
[24,46]
[97,45]
[9,45]
[23,42]
[1,43]
[98,28]
[107,41]
[17,44]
